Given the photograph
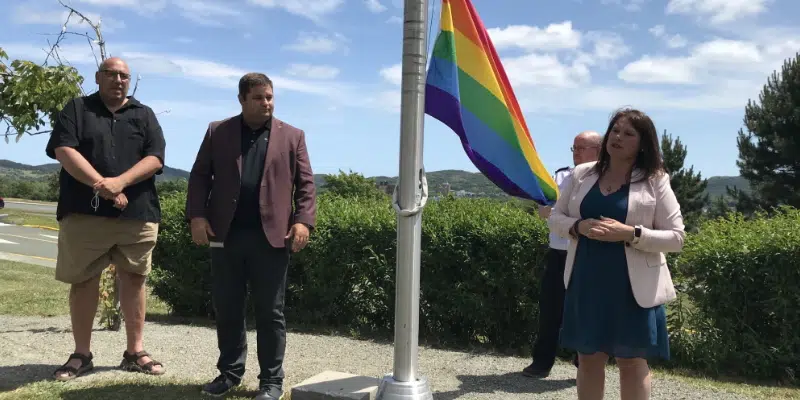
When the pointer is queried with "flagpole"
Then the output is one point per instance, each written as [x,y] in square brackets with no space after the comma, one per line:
[409,199]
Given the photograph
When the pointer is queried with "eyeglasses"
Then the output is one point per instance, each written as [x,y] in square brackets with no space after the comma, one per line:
[576,149]
[113,74]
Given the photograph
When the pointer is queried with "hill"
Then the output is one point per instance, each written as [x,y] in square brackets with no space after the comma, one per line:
[15,170]
[466,183]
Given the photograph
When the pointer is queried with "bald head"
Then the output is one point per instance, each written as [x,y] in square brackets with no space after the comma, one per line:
[586,147]
[113,78]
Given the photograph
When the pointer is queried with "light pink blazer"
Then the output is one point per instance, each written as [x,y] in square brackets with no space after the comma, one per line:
[652,206]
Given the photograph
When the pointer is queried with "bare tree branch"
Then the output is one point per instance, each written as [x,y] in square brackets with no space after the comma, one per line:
[136,85]
[95,26]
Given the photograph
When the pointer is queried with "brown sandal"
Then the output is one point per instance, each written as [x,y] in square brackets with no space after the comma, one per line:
[130,364]
[72,372]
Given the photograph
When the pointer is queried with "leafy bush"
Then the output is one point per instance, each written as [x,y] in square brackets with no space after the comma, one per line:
[743,278]
[737,312]
[480,264]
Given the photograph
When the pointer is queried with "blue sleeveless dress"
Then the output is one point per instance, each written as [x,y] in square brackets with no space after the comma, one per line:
[600,312]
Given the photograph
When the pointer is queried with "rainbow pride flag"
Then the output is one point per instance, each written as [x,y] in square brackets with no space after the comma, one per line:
[467,90]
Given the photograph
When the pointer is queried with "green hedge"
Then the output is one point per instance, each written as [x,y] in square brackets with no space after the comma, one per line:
[481,262]
[743,279]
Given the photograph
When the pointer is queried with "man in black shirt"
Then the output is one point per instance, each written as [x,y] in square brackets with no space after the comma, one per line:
[110,146]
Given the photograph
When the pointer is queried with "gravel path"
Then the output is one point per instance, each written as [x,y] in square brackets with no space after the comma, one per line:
[30,348]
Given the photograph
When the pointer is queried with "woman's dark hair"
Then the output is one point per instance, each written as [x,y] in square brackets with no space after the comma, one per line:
[649,158]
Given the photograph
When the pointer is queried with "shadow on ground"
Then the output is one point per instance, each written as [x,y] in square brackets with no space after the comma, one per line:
[16,376]
[133,391]
[513,383]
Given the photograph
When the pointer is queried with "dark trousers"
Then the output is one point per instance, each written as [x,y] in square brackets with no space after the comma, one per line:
[249,258]
[551,307]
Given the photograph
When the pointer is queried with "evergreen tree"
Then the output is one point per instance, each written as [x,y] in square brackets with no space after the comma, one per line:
[689,187]
[769,153]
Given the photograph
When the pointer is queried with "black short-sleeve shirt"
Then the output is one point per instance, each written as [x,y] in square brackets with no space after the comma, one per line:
[112,143]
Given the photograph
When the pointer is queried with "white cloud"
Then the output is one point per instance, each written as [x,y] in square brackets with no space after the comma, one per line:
[375,6]
[672,41]
[545,70]
[311,9]
[309,71]
[139,6]
[207,12]
[718,11]
[24,14]
[557,36]
[315,42]
[658,70]
[394,20]
[628,5]
[393,74]
[69,52]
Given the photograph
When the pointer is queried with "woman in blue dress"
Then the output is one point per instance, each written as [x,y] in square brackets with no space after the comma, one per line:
[622,216]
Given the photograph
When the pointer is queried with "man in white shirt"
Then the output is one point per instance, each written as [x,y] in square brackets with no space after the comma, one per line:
[585,148]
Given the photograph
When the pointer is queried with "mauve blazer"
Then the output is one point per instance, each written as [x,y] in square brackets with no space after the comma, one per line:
[652,206]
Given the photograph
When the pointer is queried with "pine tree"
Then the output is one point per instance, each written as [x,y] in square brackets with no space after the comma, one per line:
[769,153]
[689,187]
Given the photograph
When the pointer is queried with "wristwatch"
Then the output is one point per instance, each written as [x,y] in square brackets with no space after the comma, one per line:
[637,234]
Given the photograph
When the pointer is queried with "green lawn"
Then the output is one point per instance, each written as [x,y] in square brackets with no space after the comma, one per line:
[135,386]
[31,290]
[18,217]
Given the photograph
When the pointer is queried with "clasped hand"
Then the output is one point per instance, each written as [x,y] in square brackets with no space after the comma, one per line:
[111,189]
[605,229]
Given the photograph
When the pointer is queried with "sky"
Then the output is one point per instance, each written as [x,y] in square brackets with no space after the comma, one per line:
[692,65]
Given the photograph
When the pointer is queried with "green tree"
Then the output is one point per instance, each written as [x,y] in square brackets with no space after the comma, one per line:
[32,94]
[352,185]
[689,187]
[768,152]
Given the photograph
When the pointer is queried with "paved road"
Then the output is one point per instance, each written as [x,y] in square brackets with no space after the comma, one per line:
[40,208]
[29,245]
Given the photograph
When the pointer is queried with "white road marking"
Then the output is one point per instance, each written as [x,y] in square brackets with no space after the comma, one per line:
[28,238]
[3,241]
[49,236]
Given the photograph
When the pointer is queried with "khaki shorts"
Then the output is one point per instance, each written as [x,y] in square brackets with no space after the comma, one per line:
[88,244]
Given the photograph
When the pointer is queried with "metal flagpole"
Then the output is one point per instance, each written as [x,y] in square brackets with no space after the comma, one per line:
[409,199]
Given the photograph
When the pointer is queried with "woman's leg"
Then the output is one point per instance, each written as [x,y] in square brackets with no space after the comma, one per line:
[591,376]
[634,379]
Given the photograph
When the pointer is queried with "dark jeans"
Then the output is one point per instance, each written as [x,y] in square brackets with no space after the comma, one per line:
[249,258]
[551,307]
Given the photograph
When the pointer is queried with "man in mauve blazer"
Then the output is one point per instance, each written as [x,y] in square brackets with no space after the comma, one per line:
[653,208]
[250,171]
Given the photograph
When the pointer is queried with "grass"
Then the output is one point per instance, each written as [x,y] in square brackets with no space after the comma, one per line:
[136,386]
[18,217]
[30,201]
[756,390]
[28,290]
[31,290]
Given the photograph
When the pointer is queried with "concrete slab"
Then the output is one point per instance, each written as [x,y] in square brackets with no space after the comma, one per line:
[333,385]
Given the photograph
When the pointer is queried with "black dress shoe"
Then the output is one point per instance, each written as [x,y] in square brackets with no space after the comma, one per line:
[219,386]
[536,371]
[269,392]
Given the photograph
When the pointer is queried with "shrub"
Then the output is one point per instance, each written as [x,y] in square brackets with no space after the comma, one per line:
[743,277]
[737,312]
[181,269]
[480,264]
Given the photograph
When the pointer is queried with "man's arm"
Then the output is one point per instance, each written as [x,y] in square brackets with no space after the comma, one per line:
[305,194]
[151,164]
[77,166]
[200,180]
[62,146]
